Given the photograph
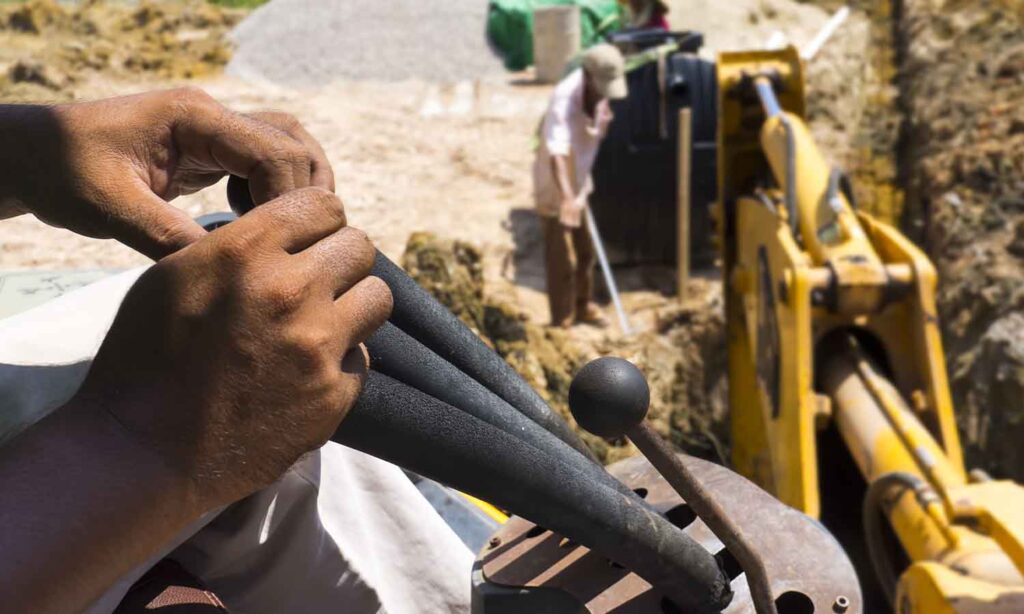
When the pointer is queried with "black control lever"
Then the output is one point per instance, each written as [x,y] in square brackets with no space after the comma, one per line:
[609,397]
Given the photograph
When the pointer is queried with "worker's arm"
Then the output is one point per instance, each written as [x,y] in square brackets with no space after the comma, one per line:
[108,168]
[231,357]
[570,209]
[227,361]
[81,503]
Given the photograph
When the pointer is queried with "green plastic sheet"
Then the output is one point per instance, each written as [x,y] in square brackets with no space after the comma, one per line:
[510,25]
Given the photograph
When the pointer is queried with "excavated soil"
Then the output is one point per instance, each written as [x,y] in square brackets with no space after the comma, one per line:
[963,80]
[49,50]
[681,355]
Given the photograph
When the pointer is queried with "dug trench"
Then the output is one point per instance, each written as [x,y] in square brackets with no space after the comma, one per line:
[962,81]
[938,149]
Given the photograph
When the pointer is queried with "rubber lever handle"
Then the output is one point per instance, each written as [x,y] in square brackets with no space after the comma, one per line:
[402,358]
[423,318]
[239,196]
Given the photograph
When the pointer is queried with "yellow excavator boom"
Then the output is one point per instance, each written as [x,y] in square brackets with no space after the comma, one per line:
[832,327]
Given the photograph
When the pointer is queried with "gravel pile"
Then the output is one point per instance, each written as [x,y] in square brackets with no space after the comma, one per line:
[312,42]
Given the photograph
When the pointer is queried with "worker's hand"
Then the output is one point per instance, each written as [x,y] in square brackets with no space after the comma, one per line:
[107,169]
[237,354]
[570,213]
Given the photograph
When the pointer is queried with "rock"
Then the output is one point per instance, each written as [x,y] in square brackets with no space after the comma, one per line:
[1016,245]
[31,71]
[35,16]
[988,389]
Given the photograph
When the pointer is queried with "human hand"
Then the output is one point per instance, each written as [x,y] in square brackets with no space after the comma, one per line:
[107,169]
[570,213]
[239,353]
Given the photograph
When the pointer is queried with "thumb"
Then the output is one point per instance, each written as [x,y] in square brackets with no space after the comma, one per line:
[150,225]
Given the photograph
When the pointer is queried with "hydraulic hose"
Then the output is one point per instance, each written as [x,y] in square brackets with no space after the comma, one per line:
[873,520]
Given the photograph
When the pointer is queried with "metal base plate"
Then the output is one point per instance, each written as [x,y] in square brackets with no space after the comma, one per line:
[526,568]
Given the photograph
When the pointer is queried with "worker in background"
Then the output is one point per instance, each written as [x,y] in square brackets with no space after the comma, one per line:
[570,134]
[647,14]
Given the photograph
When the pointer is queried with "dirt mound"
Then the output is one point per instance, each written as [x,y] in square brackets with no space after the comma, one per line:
[746,24]
[684,359]
[47,48]
[963,82]
[988,381]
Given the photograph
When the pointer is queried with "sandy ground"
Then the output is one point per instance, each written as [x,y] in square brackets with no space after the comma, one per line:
[416,156]
[408,156]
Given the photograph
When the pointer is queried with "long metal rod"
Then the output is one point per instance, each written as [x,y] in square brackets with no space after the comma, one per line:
[606,270]
[812,48]
[697,497]
[769,102]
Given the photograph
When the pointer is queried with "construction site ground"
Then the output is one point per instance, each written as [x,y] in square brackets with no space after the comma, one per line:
[444,168]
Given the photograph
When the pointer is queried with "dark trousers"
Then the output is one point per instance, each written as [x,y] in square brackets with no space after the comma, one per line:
[570,259]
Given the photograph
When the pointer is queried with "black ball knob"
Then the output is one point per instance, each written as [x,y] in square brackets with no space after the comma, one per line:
[609,396]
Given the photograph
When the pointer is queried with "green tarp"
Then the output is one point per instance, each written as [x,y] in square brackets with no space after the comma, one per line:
[510,25]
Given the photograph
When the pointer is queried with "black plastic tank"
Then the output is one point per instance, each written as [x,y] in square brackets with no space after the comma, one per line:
[634,200]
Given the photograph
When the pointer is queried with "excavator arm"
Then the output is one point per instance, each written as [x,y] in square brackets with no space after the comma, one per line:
[832,327]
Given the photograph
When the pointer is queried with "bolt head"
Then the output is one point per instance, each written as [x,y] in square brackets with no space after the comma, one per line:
[841,604]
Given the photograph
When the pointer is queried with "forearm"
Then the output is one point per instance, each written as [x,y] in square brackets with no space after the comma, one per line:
[563,179]
[82,504]
[28,135]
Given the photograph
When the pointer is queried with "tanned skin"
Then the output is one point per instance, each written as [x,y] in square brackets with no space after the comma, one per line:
[235,354]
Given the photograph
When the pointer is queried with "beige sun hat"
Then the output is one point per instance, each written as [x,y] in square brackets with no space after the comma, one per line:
[606,66]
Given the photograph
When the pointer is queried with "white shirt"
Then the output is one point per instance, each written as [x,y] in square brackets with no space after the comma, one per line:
[568,131]
[340,531]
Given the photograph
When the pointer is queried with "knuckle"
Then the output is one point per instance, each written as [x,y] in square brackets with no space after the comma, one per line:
[381,299]
[321,203]
[284,294]
[237,246]
[298,155]
[189,97]
[285,121]
[361,250]
[308,346]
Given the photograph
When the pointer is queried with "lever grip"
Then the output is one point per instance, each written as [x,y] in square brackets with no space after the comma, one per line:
[402,358]
[239,196]
[423,318]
